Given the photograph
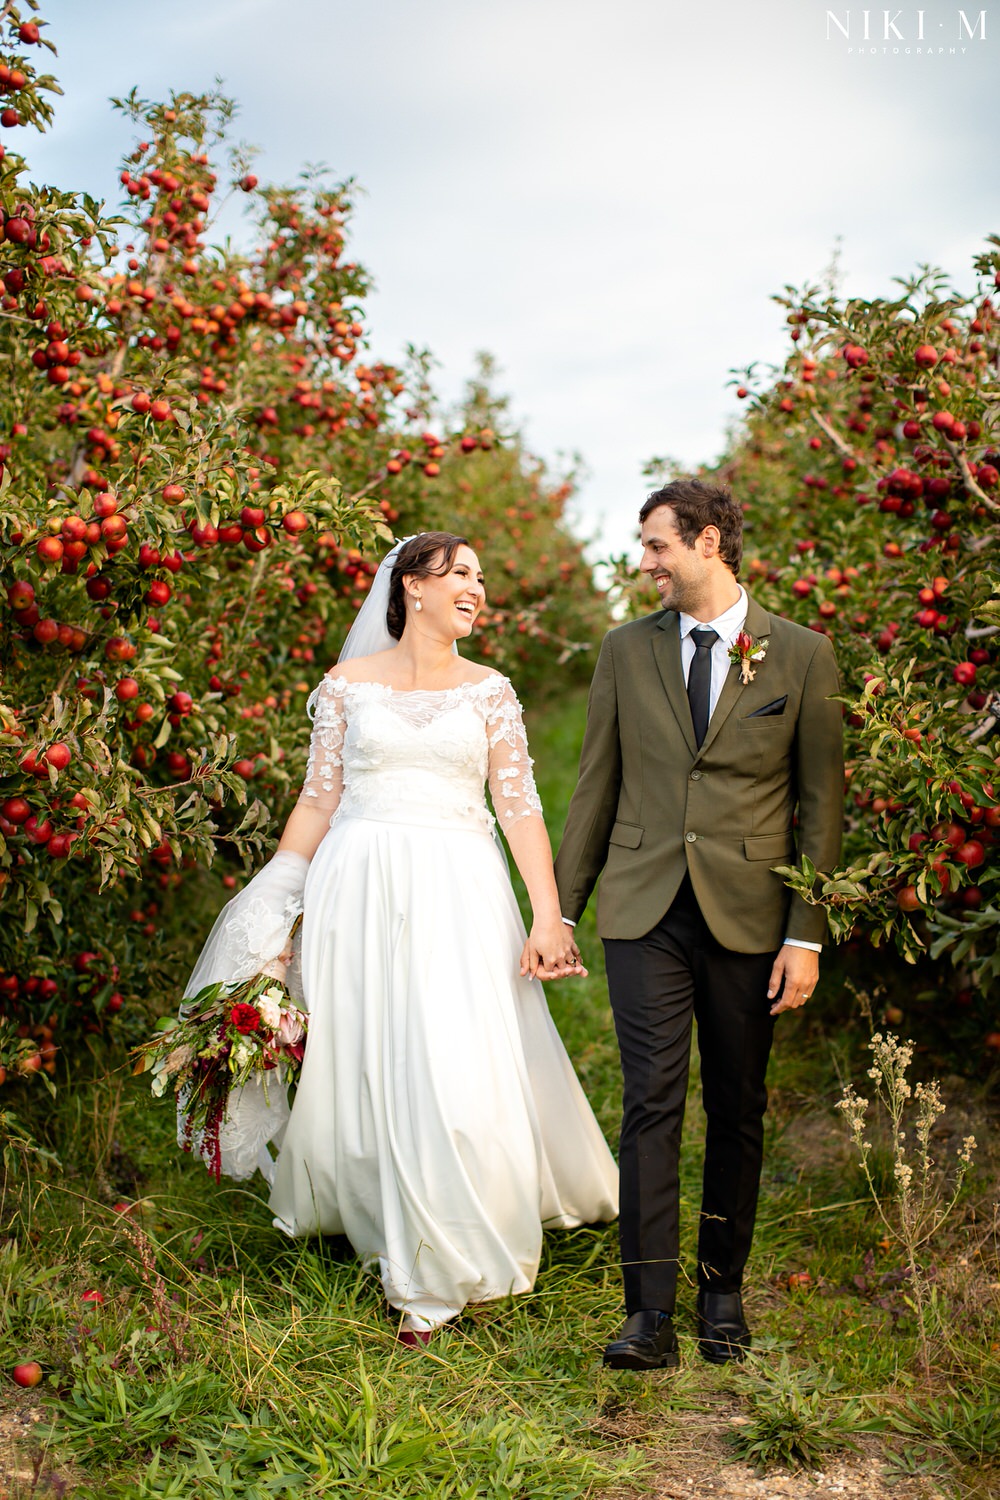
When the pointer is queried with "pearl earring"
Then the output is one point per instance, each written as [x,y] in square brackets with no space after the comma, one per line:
[418,606]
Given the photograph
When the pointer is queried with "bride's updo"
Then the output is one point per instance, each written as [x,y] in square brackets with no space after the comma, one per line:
[432,552]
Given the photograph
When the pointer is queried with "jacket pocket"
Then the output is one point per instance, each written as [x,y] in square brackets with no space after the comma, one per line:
[770,710]
[627,835]
[776,848]
[774,722]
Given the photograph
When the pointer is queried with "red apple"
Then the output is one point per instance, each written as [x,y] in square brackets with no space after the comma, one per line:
[971,854]
[159,592]
[952,834]
[20,595]
[27,1375]
[50,549]
[16,810]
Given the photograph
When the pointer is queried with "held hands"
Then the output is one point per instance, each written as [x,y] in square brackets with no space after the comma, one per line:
[799,969]
[551,952]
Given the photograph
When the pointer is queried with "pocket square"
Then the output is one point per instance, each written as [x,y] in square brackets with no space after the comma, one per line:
[776,707]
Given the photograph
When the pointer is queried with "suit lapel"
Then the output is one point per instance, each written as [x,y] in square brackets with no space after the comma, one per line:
[758,623]
[667,651]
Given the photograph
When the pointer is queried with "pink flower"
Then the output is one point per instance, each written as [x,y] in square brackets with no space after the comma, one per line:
[290,1029]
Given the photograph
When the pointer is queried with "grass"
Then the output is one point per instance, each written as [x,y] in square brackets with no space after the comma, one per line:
[229,1362]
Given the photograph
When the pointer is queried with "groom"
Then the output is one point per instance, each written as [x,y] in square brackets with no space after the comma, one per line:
[712,753]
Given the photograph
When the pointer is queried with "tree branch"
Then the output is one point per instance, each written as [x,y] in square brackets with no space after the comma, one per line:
[971,485]
[835,438]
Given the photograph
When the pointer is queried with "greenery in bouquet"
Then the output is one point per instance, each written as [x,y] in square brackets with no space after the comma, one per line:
[225,1037]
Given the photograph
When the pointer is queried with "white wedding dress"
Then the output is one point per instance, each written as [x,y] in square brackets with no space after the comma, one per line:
[438,1122]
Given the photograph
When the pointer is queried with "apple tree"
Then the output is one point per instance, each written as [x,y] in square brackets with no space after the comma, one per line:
[869,470]
[200,465]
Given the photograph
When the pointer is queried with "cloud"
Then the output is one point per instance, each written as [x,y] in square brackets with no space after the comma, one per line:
[603,196]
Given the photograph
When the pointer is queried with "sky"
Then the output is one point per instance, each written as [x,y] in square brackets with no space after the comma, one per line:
[602,194]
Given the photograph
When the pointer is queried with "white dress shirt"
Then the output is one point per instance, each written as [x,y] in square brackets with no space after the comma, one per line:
[727,627]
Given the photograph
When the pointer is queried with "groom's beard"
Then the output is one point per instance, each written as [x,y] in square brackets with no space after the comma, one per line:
[681,594]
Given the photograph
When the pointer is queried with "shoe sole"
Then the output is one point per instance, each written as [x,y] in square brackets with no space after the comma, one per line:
[717,1356]
[668,1361]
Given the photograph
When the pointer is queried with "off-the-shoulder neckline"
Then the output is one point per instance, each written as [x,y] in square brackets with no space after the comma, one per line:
[494,678]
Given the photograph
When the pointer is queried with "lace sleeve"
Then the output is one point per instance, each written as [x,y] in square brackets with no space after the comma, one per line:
[325,768]
[512,786]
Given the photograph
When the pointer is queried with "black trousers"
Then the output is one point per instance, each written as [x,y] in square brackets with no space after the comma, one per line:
[657,983]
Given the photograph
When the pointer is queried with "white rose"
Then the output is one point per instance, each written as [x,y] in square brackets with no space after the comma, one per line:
[241,1054]
[269,1010]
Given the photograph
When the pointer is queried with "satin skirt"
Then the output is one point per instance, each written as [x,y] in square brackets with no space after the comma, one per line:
[438,1121]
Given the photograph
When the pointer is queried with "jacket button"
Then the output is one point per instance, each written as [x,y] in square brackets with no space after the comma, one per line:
[692,838]
[695,775]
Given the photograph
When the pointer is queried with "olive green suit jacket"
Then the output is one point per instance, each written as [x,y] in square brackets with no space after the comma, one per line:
[764,789]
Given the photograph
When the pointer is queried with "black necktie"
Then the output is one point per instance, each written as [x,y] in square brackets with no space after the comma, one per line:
[700,681]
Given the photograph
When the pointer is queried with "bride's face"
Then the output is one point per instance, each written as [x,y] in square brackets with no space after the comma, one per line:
[451,601]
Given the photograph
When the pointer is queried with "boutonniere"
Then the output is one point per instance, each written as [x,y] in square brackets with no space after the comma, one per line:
[744,652]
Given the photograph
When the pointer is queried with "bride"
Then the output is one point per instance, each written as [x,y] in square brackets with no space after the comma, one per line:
[438,1122]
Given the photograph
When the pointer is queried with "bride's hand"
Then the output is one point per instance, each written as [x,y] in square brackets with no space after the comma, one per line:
[551,952]
[275,968]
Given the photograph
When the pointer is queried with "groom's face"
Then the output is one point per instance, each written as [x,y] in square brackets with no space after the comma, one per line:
[679,572]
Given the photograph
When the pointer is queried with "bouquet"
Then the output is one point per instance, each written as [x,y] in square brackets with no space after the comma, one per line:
[225,1037]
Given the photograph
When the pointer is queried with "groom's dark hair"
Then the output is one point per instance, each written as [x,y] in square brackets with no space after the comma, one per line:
[697,503]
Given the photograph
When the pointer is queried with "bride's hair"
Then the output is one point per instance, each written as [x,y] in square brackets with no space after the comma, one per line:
[432,552]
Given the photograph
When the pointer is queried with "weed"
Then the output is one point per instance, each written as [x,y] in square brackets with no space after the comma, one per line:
[916,1200]
[796,1417]
[965,1424]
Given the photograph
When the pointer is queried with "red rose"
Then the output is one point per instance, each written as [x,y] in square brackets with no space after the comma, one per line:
[245,1019]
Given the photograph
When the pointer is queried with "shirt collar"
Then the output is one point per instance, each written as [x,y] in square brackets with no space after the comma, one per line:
[727,626]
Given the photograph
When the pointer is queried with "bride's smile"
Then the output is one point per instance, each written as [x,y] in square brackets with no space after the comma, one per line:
[451,601]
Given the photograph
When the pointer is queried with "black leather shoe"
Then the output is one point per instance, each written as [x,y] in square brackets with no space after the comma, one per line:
[722,1329]
[647,1342]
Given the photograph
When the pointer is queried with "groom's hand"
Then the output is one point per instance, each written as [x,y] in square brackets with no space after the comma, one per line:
[551,953]
[793,978]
